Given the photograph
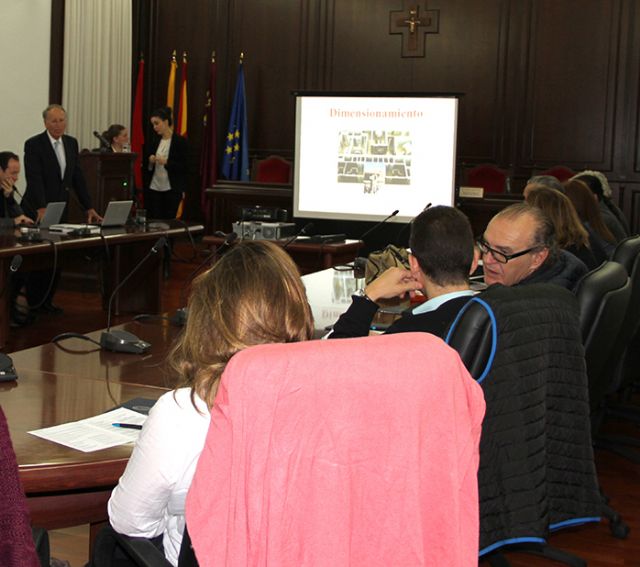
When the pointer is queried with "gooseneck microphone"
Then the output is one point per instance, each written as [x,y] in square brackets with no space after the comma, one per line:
[305,230]
[375,226]
[104,143]
[180,316]
[123,341]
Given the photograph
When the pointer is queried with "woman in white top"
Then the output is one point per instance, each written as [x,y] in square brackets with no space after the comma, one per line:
[252,295]
[168,164]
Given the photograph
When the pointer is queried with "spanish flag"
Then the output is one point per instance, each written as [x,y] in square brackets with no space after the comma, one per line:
[171,87]
[181,124]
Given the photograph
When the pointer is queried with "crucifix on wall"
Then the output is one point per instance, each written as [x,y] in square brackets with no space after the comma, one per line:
[413,22]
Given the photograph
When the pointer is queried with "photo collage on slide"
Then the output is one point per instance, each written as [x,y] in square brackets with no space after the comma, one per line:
[374,158]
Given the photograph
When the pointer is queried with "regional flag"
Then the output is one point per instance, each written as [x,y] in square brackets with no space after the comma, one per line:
[137,131]
[171,86]
[235,161]
[208,159]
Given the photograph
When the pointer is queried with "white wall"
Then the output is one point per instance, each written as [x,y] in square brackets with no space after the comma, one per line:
[24,78]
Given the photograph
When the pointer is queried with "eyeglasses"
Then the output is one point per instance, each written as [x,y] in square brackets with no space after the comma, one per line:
[501,257]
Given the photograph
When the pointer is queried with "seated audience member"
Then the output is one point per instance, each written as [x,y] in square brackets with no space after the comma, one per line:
[10,211]
[118,138]
[611,215]
[570,234]
[252,295]
[11,215]
[519,247]
[16,542]
[442,257]
[586,206]
[548,181]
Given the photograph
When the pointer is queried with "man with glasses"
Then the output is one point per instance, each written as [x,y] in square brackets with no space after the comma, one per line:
[442,257]
[519,247]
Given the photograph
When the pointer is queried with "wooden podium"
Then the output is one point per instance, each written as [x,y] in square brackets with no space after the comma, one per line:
[109,177]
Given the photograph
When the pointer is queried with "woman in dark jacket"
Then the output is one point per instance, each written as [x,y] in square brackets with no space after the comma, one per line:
[168,164]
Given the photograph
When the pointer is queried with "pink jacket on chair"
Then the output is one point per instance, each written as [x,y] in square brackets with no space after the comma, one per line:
[341,453]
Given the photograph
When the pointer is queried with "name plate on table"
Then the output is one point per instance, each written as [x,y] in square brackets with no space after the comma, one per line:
[471,192]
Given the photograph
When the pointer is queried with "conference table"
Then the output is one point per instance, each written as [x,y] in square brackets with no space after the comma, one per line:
[121,249]
[75,379]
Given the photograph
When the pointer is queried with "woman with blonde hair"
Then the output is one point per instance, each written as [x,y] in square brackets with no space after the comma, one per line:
[570,234]
[253,295]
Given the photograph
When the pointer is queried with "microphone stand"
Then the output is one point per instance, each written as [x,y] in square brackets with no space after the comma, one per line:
[303,231]
[181,314]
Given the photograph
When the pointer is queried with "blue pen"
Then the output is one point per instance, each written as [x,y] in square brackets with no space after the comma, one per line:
[127,425]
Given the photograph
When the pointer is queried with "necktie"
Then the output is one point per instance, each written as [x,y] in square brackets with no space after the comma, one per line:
[60,155]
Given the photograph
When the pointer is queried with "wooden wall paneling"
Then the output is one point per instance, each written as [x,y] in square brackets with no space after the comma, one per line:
[56,54]
[571,84]
[269,35]
[365,57]
[469,55]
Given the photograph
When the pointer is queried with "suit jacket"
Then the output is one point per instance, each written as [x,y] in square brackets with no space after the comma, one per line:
[45,184]
[177,163]
[9,210]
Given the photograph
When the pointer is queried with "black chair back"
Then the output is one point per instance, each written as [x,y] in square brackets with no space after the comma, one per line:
[603,295]
[627,253]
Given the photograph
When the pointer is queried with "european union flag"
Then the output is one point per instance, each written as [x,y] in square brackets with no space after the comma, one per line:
[235,162]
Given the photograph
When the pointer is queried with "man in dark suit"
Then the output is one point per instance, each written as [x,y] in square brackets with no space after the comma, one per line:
[442,257]
[53,171]
[10,212]
[52,167]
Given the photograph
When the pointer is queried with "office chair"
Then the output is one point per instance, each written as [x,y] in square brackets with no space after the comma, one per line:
[487,176]
[352,452]
[523,344]
[111,548]
[620,370]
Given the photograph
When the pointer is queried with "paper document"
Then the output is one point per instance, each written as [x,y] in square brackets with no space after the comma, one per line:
[95,433]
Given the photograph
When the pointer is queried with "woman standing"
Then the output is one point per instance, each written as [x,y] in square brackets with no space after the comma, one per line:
[168,164]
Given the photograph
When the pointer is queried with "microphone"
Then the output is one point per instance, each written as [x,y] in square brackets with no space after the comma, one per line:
[104,143]
[180,316]
[303,231]
[375,226]
[123,341]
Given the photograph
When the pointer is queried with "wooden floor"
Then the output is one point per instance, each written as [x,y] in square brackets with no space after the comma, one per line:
[619,478]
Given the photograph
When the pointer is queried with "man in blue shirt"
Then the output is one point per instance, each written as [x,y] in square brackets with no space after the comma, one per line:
[442,258]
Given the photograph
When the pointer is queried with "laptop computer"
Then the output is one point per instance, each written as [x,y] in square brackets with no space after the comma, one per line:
[52,214]
[116,215]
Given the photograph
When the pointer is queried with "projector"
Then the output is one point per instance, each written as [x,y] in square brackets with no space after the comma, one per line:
[256,230]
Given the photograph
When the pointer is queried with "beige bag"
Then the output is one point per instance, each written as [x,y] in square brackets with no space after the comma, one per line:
[381,260]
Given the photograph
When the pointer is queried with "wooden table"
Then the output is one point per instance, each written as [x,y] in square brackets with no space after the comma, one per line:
[123,249]
[308,256]
[68,381]
[74,379]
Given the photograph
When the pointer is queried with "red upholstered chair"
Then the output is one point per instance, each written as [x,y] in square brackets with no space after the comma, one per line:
[273,169]
[560,172]
[491,178]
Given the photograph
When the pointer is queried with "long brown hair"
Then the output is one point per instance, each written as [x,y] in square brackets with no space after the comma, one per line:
[253,295]
[569,229]
[587,207]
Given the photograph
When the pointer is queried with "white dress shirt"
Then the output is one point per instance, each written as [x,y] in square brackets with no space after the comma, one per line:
[150,496]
